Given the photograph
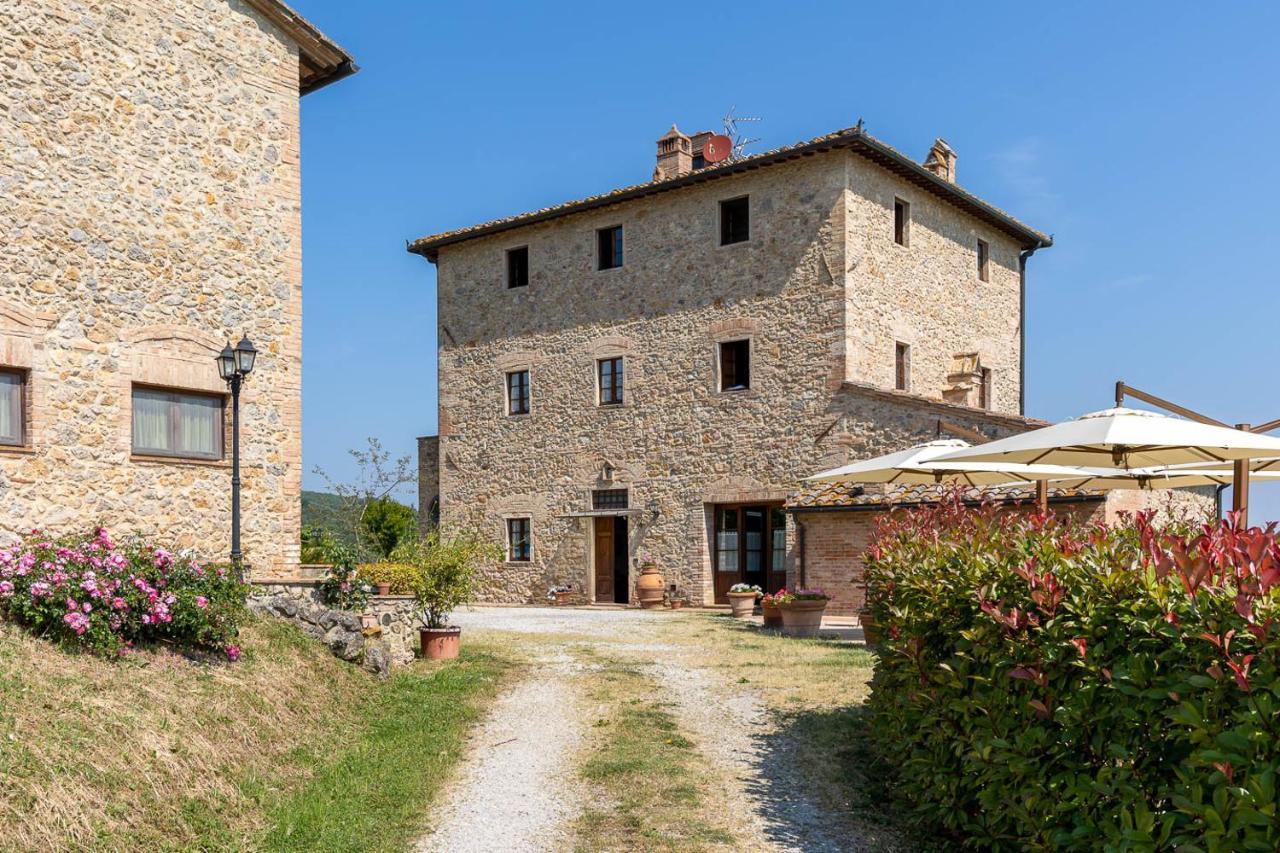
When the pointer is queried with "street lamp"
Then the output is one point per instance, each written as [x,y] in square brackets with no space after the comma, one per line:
[233,366]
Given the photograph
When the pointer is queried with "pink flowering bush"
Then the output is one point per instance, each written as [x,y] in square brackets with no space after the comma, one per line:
[105,597]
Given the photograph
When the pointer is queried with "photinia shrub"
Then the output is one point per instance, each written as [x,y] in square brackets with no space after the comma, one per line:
[92,593]
[1049,684]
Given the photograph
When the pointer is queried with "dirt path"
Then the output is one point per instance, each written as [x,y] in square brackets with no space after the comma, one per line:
[517,788]
[763,782]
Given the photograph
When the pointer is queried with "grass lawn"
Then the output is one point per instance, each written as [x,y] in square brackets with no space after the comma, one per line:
[288,749]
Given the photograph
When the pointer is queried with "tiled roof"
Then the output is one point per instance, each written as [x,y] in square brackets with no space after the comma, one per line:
[853,138]
[848,495]
[321,60]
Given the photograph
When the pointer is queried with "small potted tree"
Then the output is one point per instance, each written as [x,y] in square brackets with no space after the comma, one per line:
[443,578]
[742,599]
[802,612]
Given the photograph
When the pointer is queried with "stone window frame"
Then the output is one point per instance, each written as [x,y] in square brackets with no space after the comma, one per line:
[224,436]
[984,260]
[507,373]
[620,384]
[902,231]
[720,232]
[507,519]
[728,331]
[614,346]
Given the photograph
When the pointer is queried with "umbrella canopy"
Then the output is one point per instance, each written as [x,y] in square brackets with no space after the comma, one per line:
[1123,438]
[918,465]
[1157,478]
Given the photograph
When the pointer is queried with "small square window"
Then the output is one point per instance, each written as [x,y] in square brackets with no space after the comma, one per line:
[735,221]
[519,540]
[984,261]
[902,366]
[609,248]
[177,424]
[518,392]
[735,365]
[609,372]
[518,267]
[13,407]
[901,222]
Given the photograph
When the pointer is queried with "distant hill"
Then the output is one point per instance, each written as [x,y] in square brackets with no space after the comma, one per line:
[323,510]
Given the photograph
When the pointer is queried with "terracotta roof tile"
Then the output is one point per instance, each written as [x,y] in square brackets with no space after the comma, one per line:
[836,495]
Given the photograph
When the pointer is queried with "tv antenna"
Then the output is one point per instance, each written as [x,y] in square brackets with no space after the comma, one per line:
[737,138]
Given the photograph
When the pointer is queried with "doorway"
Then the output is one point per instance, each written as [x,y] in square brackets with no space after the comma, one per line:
[613,582]
[750,546]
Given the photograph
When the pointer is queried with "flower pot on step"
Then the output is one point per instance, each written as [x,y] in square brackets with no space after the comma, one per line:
[677,604]
[772,614]
[742,604]
[440,643]
[802,618]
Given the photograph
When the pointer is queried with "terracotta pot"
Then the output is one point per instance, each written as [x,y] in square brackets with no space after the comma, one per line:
[649,588]
[440,643]
[742,604]
[870,633]
[772,614]
[802,618]
[368,620]
[562,598]
[384,589]
[677,603]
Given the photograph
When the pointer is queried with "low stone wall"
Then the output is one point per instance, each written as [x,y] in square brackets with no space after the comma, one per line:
[391,642]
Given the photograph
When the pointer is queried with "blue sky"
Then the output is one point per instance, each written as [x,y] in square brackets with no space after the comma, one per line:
[1141,135]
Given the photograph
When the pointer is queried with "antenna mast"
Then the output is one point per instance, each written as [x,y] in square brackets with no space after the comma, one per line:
[735,134]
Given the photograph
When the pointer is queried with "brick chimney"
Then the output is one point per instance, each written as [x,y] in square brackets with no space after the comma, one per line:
[942,160]
[675,155]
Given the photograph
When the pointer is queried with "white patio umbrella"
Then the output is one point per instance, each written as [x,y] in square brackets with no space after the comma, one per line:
[1123,438]
[919,465]
[1157,478]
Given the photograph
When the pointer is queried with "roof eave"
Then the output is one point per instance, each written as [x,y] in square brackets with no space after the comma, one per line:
[315,50]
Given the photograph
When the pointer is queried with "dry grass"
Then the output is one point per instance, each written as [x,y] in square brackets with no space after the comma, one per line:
[160,752]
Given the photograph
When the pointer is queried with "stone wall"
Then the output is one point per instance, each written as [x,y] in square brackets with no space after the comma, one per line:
[396,635]
[812,289]
[149,212]
[428,480]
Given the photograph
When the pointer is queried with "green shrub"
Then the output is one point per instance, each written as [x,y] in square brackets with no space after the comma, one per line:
[399,575]
[443,571]
[1052,685]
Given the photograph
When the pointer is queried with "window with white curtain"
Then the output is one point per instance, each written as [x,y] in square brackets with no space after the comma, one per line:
[13,407]
[173,423]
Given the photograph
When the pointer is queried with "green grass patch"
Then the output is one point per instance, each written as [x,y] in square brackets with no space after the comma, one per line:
[374,793]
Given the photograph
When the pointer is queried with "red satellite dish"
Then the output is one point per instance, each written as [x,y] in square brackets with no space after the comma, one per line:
[717,148]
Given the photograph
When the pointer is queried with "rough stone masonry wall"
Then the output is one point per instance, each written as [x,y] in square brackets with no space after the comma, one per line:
[678,443]
[149,211]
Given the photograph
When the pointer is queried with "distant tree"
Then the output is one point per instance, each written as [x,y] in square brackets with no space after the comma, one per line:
[378,477]
[386,524]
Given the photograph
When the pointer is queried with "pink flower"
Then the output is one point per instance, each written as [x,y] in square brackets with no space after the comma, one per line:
[202,602]
[6,589]
[233,653]
[119,603]
[78,622]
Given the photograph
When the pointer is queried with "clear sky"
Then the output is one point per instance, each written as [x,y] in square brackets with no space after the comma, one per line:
[1143,136]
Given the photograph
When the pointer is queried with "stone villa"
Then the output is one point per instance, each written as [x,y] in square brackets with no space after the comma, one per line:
[150,211]
[648,374]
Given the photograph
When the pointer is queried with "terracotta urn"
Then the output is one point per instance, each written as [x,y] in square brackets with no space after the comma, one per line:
[802,618]
[440,643]
[649,588]
[771,612]
[742,604]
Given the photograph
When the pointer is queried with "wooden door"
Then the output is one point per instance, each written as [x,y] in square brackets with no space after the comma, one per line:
[604,559]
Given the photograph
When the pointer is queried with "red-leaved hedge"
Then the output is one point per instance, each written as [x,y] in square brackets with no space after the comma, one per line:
[1046,684]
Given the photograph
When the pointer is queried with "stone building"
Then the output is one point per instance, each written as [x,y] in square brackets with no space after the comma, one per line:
[150,212]
[648,373]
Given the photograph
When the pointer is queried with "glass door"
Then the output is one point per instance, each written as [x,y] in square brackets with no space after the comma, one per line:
[750,546]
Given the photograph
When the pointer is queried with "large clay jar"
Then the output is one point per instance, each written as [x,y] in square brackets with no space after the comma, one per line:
[772,614]
[649,587]
[440,643]
[742,604]
[802,618]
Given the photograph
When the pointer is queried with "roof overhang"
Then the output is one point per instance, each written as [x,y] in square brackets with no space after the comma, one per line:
[854,139]
[320,60]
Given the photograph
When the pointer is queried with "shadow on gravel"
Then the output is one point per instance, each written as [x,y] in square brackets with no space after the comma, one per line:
[818,787]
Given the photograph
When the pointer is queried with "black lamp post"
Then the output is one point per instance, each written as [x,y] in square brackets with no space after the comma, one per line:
[233,366]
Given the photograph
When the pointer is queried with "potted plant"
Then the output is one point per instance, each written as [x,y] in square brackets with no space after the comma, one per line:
[802,612]
[867,619]
[742,599]
[770,610]
[443,577]
[560,595]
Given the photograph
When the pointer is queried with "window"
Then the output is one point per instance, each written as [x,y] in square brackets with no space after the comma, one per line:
[518,392]
[13,407]
[901,222]
[518,267]
[984,261]
[778,530]
[609,248]
[175,423]
[902,366]
[735,221]
[519,541]
[735,365]
[609,499]
[727,540]
[609,371]
[985,389]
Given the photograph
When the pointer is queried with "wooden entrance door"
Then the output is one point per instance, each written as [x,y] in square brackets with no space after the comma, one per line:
[610,554]
[750,546]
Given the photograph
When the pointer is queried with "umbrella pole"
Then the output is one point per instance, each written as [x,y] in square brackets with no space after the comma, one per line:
[1240,487]
[1042,496]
